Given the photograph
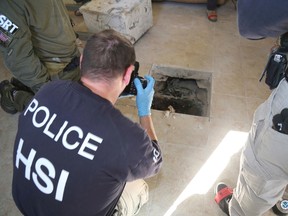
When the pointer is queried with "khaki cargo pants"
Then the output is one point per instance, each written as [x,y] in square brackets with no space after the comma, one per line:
[134,196]
[264,162]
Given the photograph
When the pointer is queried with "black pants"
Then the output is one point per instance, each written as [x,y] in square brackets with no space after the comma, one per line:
[211,4]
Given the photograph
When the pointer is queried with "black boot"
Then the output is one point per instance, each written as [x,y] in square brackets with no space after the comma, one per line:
[7,101]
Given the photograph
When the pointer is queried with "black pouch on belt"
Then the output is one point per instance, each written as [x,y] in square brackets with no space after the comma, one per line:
[75,62]
[275,69]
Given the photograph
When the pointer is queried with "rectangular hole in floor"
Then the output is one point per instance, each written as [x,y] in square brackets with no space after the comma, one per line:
[182,90]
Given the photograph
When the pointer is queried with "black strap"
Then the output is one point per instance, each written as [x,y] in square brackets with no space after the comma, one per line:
[75,62]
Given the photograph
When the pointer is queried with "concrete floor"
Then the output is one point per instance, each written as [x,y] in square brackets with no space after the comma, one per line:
[198,151]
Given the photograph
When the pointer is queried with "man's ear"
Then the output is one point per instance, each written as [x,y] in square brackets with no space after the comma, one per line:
[127,74]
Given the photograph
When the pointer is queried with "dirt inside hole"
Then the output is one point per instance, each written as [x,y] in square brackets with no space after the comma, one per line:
[184,95]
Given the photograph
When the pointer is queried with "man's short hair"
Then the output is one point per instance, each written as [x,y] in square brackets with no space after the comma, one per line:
[107,55]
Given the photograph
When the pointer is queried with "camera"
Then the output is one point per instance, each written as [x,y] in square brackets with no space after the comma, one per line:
[131,88]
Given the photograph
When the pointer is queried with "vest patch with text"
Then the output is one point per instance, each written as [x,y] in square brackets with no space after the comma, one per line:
[7,30]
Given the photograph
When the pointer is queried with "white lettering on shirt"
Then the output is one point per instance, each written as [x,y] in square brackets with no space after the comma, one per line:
[46,130]
[43,122]
[26,161]
[42,165]
[88,144]
[7,24]
[61,185]
[72,146]
[61,131]
[42,118]
[42,162]
[156,155]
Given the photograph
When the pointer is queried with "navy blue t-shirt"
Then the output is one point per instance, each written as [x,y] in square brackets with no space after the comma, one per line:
[74,152]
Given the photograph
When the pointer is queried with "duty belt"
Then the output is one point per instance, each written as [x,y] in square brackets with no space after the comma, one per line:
[75,62]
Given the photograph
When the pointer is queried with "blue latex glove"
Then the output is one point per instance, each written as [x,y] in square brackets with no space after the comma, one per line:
[144,97]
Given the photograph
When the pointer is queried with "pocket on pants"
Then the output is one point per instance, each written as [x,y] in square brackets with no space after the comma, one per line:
[272,151]
[256,193]
[134,196]
[255,177]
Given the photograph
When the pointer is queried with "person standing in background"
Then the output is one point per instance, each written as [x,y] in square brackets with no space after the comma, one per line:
[212,10]
[38,44]
[263,174]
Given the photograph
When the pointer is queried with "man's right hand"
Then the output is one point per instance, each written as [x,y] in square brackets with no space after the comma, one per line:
[144,97]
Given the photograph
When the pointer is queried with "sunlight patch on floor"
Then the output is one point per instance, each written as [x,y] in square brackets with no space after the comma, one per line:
[231,144]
